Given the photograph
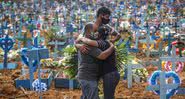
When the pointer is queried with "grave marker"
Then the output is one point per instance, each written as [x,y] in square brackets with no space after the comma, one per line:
[32,57]
[6,44]
[173,58]
[164,89]
[129,72]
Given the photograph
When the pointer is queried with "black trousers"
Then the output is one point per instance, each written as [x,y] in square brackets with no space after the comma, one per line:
[110,81]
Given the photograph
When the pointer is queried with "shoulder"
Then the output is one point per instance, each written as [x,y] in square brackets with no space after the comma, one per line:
[94,51]
[89,24]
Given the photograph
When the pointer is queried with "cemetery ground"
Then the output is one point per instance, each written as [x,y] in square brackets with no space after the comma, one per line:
[138,90]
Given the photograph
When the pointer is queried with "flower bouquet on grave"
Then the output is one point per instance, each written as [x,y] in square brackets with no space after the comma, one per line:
[69,62]
[66,77]
[122,55]
[53,34]
[50,63]
[13,56]
[142,73]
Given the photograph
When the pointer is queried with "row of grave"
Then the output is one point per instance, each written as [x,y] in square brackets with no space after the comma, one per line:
[32,19]
[32,57]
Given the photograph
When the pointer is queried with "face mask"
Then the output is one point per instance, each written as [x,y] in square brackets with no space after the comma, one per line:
[105,21]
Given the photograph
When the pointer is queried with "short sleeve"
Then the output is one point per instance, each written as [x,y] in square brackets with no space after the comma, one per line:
[101,44]
[94,51]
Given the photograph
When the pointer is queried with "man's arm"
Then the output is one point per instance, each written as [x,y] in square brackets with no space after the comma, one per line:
[89,41]
[102,55]
[106,53]
[114,33]
[83,48]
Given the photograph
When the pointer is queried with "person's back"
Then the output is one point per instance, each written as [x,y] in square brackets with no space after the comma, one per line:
[89,65]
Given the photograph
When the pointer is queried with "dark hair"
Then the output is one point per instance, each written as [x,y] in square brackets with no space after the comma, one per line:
[103,32]
[104,11]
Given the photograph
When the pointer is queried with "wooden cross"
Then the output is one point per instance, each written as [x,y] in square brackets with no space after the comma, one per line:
[173,58]
[56,44]
[32,55]
[57,17]
[134,50]
[20,31]
[136,42]
[129,72]
[6,44]
[56,49]
[169,39]
[148,41]
[162,87]
[160,53]
[176,26]
[4,27]
[1,31]
[43,4]
[13,24]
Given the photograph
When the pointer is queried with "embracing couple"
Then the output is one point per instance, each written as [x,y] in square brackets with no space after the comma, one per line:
[96,56]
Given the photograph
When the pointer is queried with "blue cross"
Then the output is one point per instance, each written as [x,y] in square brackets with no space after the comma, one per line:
[153,34]
[129,72]
[13,15]
[169,39]
[159,3]
[5,25]
[1,31]
[175,25]
[173,58]
[32,57]
[163,87]
[6,44]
